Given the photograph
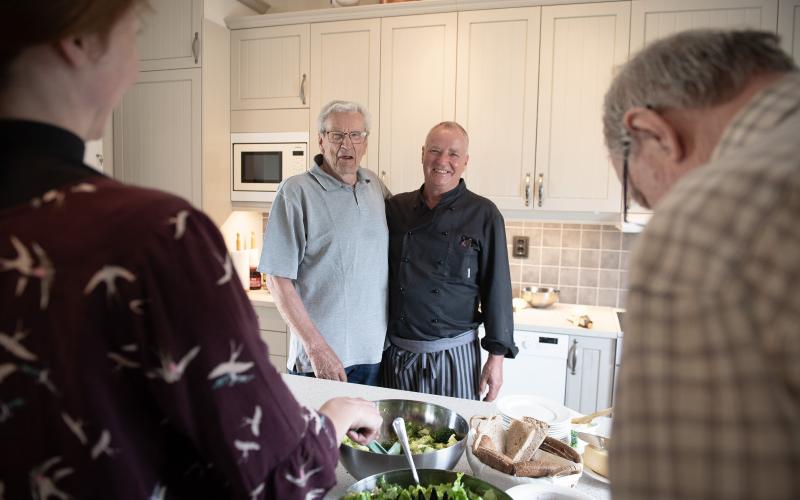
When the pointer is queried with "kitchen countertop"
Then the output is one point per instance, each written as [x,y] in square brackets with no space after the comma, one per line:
[550,320]
[313,392]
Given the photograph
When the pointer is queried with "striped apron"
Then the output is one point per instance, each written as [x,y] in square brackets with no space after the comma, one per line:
[445,367]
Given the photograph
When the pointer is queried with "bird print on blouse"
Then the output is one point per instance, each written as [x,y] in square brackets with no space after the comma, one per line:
[108,275]
[159,492]
[40,376]
[303,475]
[170,371]
[258,490]
[121,361]
[103,446]
[43,480]
[137,306]
[180,223]
[83,187]
[245,447]
[52,196]
[76,426]
[13,343]
[314,493]
[25,265]
[6,369]
[254,422]
[231,372]
[227,268]
[7,408]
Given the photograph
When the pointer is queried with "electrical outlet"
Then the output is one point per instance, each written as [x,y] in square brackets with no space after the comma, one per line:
[520,246]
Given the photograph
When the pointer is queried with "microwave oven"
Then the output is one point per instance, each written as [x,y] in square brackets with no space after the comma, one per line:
[261,161]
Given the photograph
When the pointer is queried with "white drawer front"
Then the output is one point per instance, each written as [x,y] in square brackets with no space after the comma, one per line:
[276,341]
[270,319]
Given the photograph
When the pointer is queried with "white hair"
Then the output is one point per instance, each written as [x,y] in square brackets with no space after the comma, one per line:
[341,107]
[690,70]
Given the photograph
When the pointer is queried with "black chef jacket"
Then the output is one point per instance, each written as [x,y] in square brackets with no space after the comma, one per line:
[448,269]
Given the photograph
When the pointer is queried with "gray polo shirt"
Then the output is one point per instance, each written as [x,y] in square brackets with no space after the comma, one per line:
[332,240]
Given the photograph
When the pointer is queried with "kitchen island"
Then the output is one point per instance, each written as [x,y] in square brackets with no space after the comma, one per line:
[313,392]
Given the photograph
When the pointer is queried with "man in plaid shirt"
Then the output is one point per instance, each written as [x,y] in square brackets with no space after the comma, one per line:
[704,126]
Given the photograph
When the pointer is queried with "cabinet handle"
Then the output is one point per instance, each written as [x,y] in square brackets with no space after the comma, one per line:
[100,160]
[383,176]
[196,47]
[572,357]
[303,89]
[528,190]
[541,189]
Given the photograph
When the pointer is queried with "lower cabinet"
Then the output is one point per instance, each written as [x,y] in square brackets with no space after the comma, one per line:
[590,373]
[274,333]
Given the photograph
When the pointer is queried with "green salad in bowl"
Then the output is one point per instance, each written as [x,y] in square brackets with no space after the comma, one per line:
[434,484]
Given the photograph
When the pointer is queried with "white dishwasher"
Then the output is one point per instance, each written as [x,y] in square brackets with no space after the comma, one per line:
[539,368]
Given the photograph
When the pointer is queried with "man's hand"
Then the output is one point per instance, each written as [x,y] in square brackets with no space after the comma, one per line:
[492,375]
[324,362]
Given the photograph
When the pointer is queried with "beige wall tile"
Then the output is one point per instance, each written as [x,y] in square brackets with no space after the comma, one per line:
[571,238]
[608,278]
[568,276]
[551,238]
[551,256]
[570,257]
[590,258]
[590,239]
[530,275]
[607,297]
[587,296]
[587,278]
[549,276]
[568,295]
[609,259]
[611,240]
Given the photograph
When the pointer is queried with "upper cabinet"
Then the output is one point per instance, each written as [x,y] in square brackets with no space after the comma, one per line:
[789,27]
[418,88]
[270,67]
[580,47]
[654,19]
[359,44]
[157,133]
[496,97]
[171,35]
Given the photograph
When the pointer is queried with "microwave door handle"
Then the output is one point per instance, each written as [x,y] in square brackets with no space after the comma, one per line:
[303,89]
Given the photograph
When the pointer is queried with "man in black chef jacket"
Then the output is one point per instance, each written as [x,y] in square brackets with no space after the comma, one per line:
[448,273]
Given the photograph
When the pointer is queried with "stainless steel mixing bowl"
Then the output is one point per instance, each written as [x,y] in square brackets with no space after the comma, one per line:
[540,297]
[427,476]
[365,463]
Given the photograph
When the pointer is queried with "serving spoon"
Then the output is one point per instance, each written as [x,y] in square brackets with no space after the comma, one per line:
[399,426]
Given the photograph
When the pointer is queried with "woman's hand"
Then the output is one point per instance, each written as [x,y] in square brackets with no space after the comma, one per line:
[356,417]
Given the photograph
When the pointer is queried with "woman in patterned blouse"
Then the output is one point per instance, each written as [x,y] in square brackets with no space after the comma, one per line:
[130,361]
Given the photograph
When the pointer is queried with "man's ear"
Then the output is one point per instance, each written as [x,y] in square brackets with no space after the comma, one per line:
[320,144]
[646,122]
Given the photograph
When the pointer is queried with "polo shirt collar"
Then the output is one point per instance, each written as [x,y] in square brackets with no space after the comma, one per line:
[326,180]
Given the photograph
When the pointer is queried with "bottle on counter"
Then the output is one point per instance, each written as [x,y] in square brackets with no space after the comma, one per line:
[255,279]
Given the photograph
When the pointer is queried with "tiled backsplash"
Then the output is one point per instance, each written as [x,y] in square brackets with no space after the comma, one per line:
[587,262]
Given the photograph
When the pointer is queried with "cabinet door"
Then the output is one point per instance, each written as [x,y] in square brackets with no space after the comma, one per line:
[171,35]
[590,373]
[789,27]
[157,133]
[358,43]
[269,67]
[580,47]
[418,70]
[654,19]
[497,80]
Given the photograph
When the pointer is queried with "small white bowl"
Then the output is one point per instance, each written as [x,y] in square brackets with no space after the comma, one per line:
[545,492]
[505,481]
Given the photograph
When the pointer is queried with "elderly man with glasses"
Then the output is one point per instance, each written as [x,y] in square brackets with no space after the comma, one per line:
[325,255]
[704,127]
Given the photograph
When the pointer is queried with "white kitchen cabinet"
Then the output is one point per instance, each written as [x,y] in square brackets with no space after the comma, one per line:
[496,98]
[270,67]
[590,373]
[157,133]
[654,19]
[359,44]
[274,333]
[418,88]
[789,27]
[171,35]
[580,47]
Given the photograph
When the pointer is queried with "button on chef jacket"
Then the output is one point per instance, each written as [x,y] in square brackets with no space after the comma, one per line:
[449,269]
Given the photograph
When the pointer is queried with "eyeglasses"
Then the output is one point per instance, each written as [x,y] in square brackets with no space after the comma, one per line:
[626,151]
[338,137]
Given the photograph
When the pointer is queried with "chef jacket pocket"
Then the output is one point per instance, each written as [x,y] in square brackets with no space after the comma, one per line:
[462,259]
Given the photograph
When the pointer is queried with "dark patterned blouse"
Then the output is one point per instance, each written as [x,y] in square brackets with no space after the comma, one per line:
[130,361]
